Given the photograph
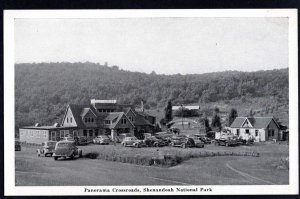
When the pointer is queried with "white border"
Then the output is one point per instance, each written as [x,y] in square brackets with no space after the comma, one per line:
[9,113]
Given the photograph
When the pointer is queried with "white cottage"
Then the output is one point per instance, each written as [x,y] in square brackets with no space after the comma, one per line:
[261,128]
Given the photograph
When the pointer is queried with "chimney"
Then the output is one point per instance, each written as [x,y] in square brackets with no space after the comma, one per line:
[142,106]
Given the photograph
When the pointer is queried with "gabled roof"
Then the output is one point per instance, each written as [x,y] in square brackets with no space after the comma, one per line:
[115,117]
[141,121]
[238,122]
[76,111]
[256,122]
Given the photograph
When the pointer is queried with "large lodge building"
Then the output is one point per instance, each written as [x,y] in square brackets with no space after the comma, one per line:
[99,117]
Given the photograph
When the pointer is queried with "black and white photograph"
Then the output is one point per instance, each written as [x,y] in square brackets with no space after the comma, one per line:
[151,102]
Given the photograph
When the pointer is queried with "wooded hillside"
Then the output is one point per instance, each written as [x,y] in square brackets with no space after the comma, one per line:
[42,91]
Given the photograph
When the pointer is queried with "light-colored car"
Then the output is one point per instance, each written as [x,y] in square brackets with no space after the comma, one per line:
[47,148]
[66,149]
[131,141]
[101,140]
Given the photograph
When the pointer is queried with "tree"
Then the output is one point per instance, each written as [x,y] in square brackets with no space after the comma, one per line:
[216,120]
[168,112]
[232,115]
[205,122]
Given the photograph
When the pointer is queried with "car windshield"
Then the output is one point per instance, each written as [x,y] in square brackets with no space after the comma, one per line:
[133,139]
[64,144]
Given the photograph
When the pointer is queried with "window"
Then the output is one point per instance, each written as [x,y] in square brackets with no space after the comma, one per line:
[85,120]
[238,132]
[96,132]
[84,133]
[92,119]
[123,121]
[106,121]
[89,119]
[71,119]
[256,132]
[61,134]
[273,132]
[31,133]
[67,120]
[91,133]
[131,118]
[247,131]
[45,134]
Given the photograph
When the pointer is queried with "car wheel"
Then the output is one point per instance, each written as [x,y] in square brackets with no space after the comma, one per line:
[226,144]
[80,154]
[183,146]
[72,156]
[172,144]
[55,158]
[123,144]
[155,144]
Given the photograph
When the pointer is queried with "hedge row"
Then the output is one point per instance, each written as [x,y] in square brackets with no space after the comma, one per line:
[163,161]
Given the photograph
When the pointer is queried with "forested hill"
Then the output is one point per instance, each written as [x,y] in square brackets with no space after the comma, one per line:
[43,90]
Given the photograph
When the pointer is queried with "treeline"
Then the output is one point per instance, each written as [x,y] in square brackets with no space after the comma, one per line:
[43,90]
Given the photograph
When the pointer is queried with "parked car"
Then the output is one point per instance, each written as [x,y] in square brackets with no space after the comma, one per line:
[17,145]
[164,135]
[81,140]
[66,149]
[246,141]
[68,139]
[198,143]
[182,141]
[101,140]
[132,141]
[152,141]
[204,139]
[227,140]
[47,148]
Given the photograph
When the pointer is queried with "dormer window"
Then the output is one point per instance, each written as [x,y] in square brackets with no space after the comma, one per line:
[123,121]
[106,121]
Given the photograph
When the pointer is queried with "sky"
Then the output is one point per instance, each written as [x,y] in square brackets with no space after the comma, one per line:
[164,45]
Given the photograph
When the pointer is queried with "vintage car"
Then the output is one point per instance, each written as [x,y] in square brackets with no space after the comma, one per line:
[66,149]
[163,135]
[81,140]
[47,148]
[101,140]
[226,140]
[203,138]
[17,146]
[152,141]
[68,139]
[198,143]
[182,141]
[132,141]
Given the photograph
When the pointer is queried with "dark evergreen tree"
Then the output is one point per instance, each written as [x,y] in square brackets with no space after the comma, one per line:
[232,115]
[216,121]
[168,112]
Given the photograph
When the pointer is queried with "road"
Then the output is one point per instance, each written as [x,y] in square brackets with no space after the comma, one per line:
[44,171]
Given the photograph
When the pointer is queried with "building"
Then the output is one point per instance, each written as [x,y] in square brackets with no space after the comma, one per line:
[185,125]
[99,117]
[39,134]
[261,128]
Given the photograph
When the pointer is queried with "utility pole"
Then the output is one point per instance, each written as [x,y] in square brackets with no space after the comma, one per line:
[182,116]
